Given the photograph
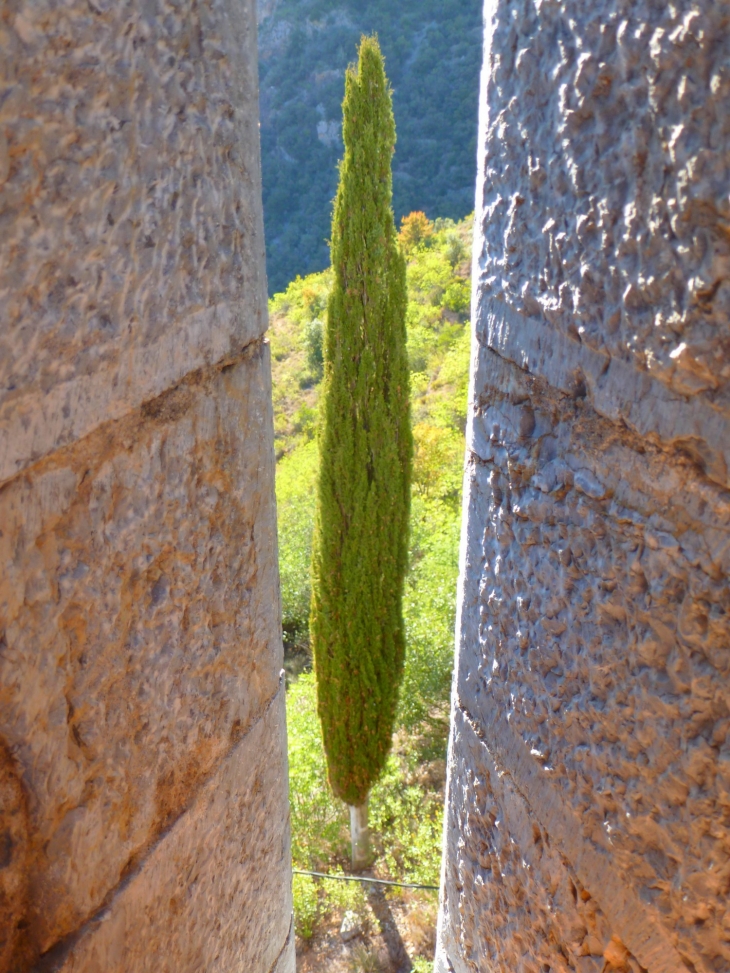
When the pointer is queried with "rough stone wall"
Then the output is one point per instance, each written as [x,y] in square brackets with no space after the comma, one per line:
[588,804]
[143,794]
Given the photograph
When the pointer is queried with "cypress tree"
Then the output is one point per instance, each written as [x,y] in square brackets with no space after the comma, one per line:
[361,528]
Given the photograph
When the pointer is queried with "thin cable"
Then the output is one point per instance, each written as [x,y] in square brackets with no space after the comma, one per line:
[365,880]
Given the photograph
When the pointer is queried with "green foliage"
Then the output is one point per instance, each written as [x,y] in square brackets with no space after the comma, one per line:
[346,896]
[295,482]
[314,343]
[362,960]
[429,609]
[405,814]
[407,822]
[439,355]
[307,906]
[359,550]
[293,334]
[406,833]
[319,827]
[433,51]
[315,898]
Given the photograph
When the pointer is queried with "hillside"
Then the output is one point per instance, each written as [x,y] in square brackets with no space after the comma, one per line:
[433,56]
[406,806]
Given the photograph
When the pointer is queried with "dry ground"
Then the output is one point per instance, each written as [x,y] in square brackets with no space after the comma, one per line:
[397,928]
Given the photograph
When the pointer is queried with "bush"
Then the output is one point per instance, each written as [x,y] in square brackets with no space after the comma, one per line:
[313,342]
[306,905]
[415,230]
[363,960]
[429,609]
[319,821]
[347,896]
[295,477]
[455,248]
[407,824]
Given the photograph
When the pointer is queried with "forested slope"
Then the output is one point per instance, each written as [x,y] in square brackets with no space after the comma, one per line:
[433,54]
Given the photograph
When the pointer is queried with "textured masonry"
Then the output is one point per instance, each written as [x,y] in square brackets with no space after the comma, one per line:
[588,804]
[143,797]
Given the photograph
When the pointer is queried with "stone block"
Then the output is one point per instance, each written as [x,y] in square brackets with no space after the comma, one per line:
[214,894]
[510,899]
[139,630]
[591,710]
[602,208]
[131,234]
[592,655]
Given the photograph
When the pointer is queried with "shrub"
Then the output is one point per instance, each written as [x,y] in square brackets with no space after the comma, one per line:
[306,905]
[313,339]
[318,820]
[295,475]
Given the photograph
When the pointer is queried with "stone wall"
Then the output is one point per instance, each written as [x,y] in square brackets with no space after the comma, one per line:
[143,795]
[588,806]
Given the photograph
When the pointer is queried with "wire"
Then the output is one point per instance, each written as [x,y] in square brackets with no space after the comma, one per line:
[365,880]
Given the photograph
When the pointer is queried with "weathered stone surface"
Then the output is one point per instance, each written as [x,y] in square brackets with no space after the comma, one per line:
[588,804]
[350,927]
[226,858]
[142,750]
[594,653]
[13,860]
[605,169]
[130,207]
[513,898]
[141,634]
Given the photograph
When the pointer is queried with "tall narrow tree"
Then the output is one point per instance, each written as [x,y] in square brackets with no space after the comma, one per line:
[361,528]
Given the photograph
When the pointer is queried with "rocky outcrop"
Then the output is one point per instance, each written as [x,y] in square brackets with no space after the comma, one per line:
[588,805]
[143,796]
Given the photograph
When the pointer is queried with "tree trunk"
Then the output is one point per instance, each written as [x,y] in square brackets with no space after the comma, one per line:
[360,835]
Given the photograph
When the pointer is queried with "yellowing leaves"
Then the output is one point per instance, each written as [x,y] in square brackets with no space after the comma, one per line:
[437,461]
[415,229]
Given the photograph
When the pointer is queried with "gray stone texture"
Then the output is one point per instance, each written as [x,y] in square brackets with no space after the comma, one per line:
[143,805]
[588,795]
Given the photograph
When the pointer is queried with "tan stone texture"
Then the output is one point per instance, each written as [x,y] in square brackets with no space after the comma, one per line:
[588,805]
[143,807]
[131,240]
[210,895]
[140,619]
[13,860]
[514,878]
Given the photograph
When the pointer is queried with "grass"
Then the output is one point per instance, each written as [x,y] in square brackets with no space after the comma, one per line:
[406,804]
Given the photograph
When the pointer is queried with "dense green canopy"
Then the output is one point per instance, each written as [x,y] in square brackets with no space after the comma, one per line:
[360,542]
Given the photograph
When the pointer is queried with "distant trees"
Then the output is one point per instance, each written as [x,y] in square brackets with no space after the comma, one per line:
[416,228]
[360,541]
[433,51]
